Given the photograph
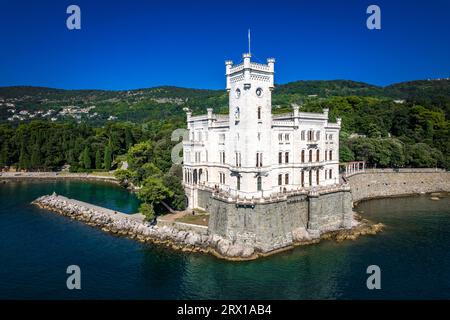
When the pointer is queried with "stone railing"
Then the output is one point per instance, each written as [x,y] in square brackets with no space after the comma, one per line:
[271,196]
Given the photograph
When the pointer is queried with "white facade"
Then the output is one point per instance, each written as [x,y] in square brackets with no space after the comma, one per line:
[251,153]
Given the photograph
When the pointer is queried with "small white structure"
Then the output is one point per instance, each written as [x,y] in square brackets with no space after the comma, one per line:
[251,153]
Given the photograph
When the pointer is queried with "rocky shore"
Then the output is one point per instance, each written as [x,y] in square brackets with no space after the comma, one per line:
[134,227]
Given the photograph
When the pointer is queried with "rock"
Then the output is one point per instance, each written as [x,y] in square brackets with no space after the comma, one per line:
[247,252]
[300,234]
[223,246]
[192,238]
[235,250]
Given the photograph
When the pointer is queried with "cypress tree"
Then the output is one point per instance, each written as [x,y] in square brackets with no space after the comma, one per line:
[36,158]
[98,160]
[86,158]
[107,158]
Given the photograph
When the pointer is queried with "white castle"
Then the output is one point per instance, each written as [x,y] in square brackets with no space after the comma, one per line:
[251,153]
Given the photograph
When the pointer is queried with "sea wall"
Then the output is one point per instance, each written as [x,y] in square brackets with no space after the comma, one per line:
[380,183]
[5,176]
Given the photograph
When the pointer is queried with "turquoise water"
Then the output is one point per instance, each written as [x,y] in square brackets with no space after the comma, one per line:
[36,247]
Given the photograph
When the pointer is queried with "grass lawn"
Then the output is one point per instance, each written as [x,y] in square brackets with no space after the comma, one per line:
[200,219]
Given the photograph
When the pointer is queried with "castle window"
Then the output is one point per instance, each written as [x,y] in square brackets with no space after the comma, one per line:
[286,157]
[317,155]
[331,155]
[259,183]
[222,177]
[238,159]
[258,159]
[303,156]
[303,178]
[259,113]
[280,179]
[238,183]
[286,178]
[310,155]
[280,157]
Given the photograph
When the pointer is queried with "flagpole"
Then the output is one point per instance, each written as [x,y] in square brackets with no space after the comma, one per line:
[249,51]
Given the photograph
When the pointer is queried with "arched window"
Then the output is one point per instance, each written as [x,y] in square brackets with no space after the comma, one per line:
[317,177]
[259,113]
[286,157]
[238,183]
[280,179]
[310,177]
[195,176]
[280,157]
[317,155]
[259,183]
[331,173]
[331,155]
[303,135]
[326,155]
[318,135]
[310,155]
[303,156]
[286,178]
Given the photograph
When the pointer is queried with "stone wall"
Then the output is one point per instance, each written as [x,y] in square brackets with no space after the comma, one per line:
[278,224]
[388,182]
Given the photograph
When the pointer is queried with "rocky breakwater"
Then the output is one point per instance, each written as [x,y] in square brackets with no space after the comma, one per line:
[136,228]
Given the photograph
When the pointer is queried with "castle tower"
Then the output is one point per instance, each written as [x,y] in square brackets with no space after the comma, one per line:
[249,86]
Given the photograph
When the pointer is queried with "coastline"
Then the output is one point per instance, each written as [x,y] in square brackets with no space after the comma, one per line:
[134,227]
[52,175]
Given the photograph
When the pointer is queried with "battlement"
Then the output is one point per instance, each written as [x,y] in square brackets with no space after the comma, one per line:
[249,71]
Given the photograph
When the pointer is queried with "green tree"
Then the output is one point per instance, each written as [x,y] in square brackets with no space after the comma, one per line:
[24,162]
[86,158]
[147,210]
[154,191]
[36,159]
[107,158]
[98,160]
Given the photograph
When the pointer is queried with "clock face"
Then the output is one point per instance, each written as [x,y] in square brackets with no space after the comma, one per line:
[238,93]
[259,92]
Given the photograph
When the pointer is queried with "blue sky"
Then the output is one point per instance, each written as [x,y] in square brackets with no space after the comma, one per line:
[136,44]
